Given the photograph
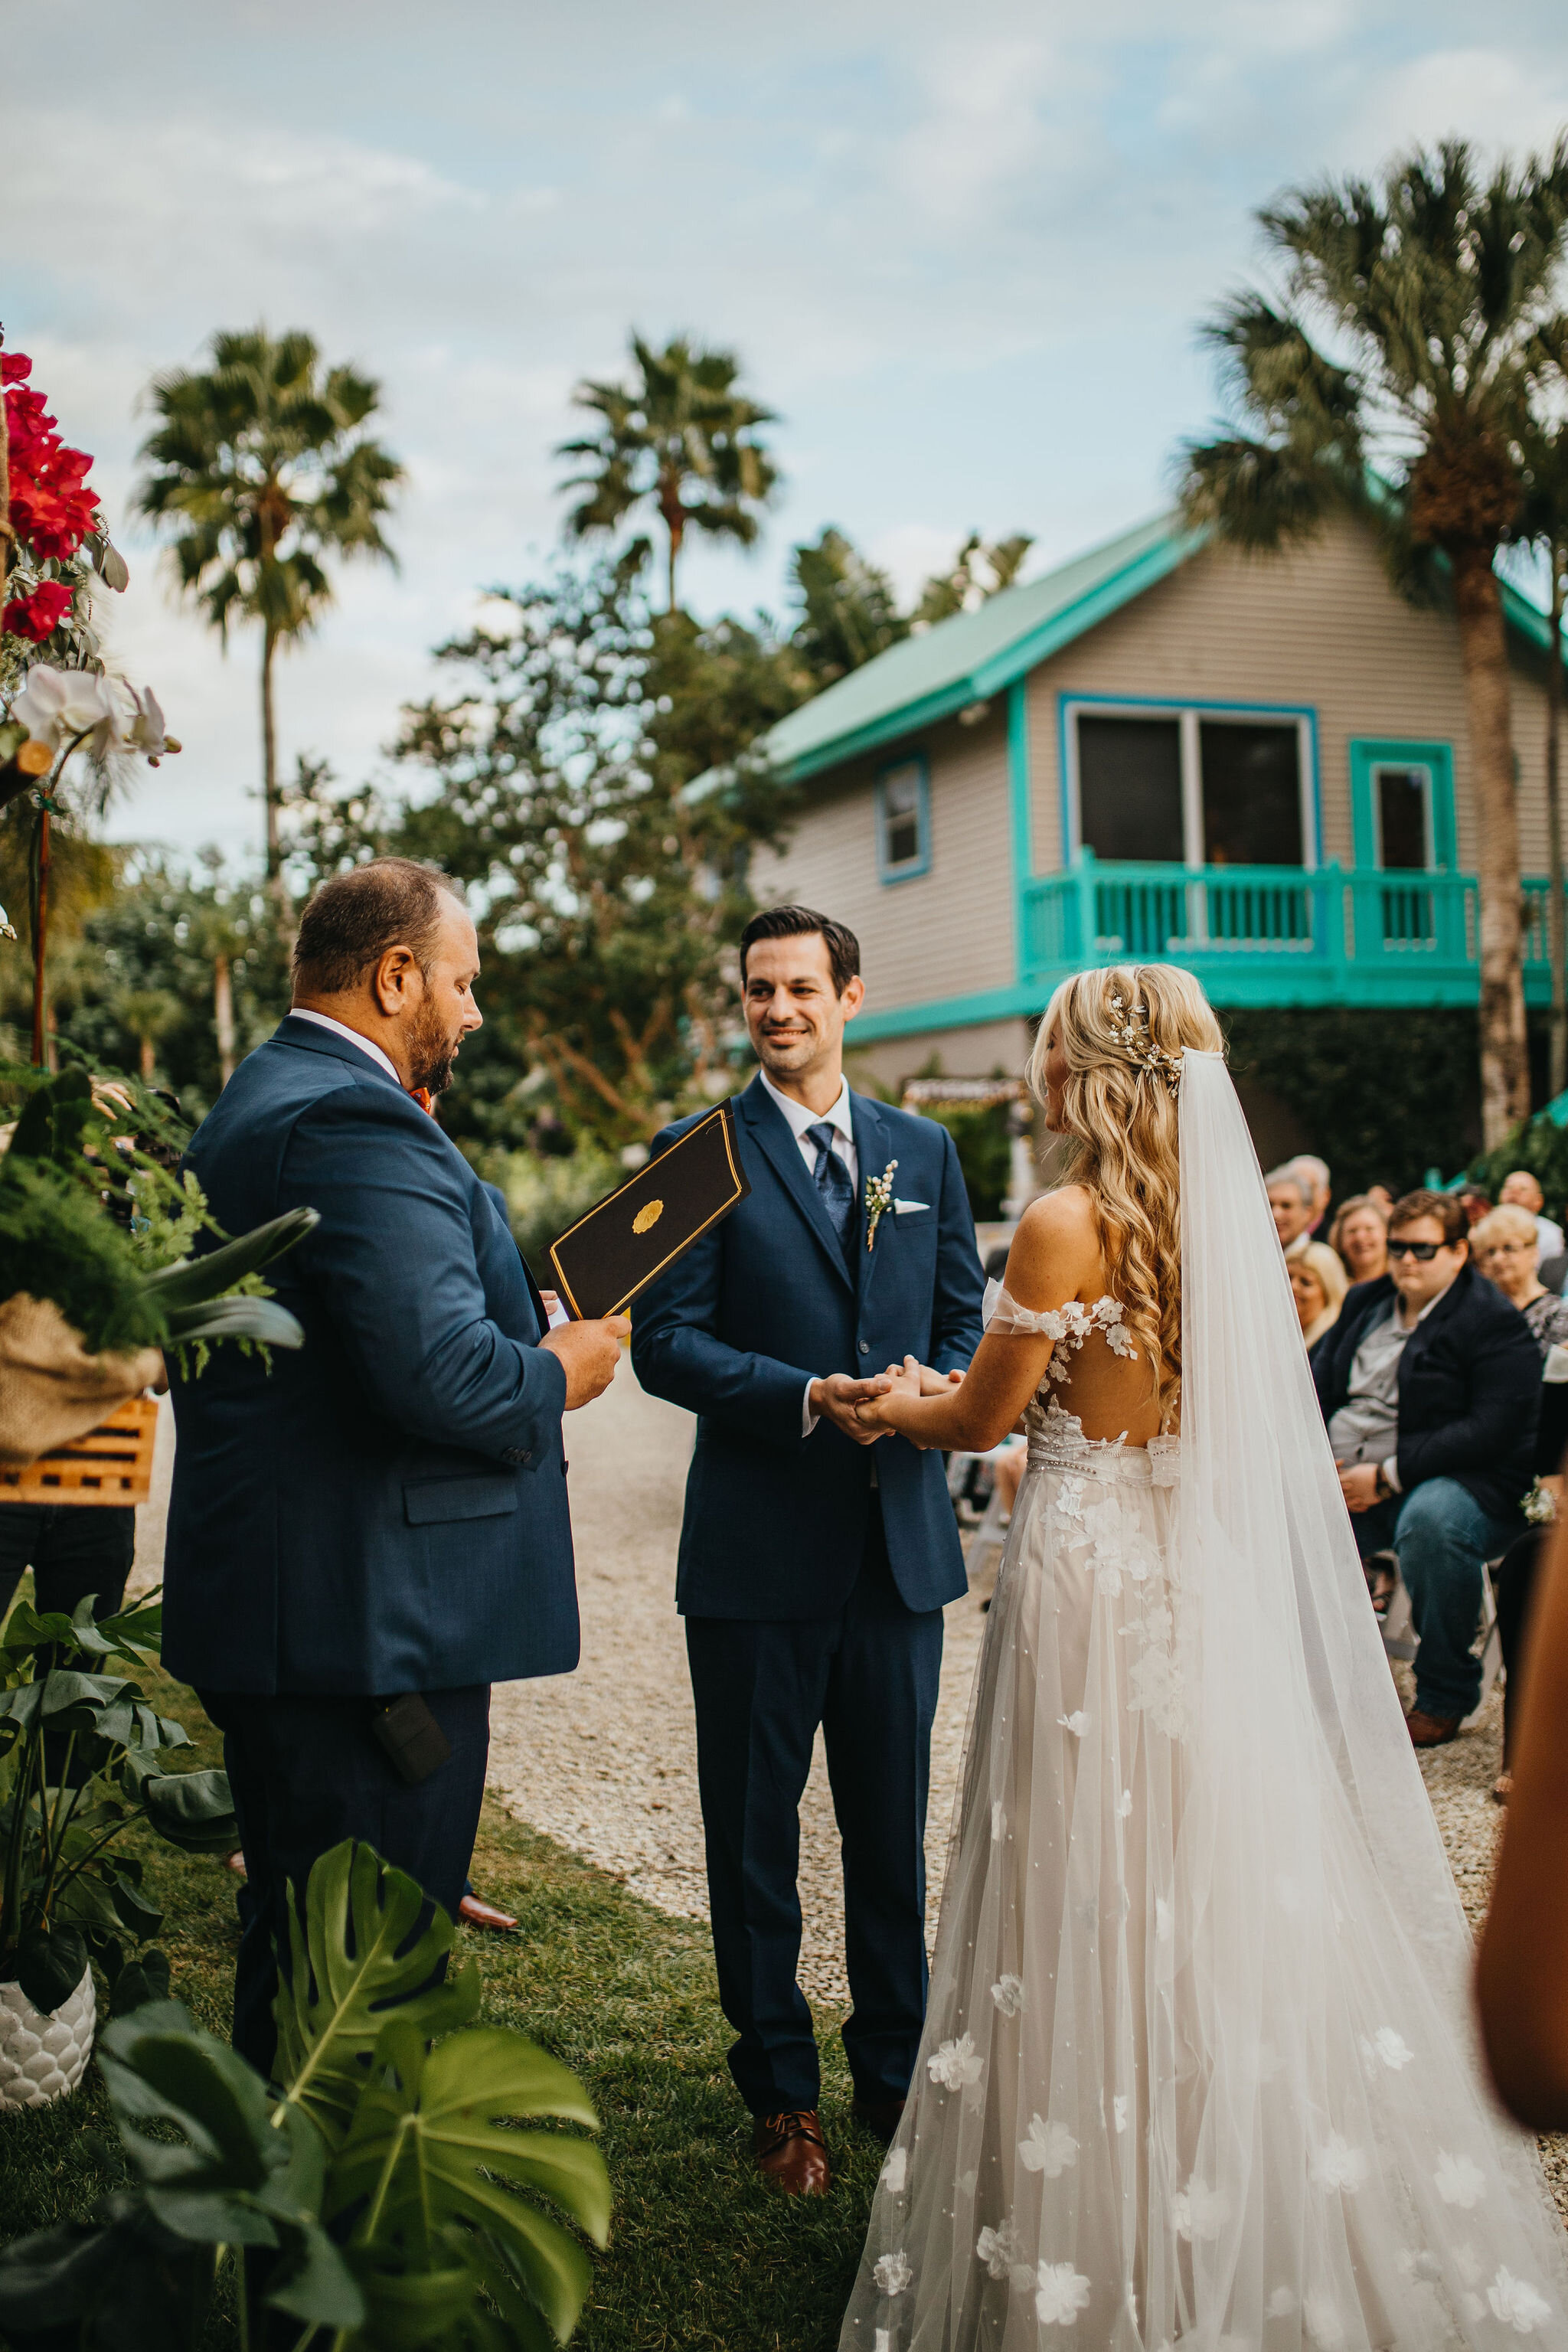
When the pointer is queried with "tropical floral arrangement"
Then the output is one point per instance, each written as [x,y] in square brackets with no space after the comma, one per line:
[58,540]
[56,699]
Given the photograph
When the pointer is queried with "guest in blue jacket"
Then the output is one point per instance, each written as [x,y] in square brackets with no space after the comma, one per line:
[380,1516]
[814,1566]
[1430,1384]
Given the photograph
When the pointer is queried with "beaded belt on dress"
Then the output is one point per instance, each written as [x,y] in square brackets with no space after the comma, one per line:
[1061,1445]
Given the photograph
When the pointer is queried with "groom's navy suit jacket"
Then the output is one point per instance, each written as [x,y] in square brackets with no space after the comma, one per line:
[385,1509]
[775,1525]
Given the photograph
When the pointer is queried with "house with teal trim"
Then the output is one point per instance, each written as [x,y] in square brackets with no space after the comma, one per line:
[1255,767]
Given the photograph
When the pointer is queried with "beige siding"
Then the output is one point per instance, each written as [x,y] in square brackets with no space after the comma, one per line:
[1320,629]
[945,932]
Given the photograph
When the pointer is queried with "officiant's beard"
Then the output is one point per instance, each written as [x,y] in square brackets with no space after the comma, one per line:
[431,1051]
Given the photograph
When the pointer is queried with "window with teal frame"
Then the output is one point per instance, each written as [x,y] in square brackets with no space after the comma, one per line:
[1402,805]
[903,820]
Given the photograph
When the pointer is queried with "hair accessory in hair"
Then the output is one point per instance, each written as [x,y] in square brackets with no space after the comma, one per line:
[1131,1034]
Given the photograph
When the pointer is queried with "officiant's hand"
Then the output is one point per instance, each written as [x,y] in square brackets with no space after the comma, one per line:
[836,1398]
[590,1353]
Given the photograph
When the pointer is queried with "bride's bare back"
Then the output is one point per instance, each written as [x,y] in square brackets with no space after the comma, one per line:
[1099,1374]
[1057,1272]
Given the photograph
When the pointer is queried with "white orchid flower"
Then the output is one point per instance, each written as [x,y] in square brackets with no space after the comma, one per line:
[146,731]
[8,928]
[59,705]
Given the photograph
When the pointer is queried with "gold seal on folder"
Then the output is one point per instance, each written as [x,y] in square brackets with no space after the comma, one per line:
[602,1262]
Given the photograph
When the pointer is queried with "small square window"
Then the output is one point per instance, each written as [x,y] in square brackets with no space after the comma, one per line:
[903,820]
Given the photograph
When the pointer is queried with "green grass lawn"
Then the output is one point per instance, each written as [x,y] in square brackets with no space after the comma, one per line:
[702,2257]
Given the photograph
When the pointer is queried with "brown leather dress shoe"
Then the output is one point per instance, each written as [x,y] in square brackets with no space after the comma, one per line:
[791,2151]
[1432,1730]
[881,2117]
[480,1914]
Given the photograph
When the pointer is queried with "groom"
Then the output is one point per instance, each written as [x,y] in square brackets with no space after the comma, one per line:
[815,1560]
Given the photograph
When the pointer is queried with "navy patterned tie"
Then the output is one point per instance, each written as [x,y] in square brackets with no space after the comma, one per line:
[833,1181]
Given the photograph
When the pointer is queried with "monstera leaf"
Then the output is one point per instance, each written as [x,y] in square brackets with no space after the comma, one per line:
[359,1957]
[434,2166]
[219,2172]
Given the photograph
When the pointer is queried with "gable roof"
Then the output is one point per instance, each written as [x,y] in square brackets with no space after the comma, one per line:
[974,655]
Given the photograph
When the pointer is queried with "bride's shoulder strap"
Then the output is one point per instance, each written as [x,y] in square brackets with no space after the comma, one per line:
[1002,1315]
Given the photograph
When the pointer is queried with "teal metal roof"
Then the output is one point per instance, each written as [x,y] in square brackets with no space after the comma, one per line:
[974,655]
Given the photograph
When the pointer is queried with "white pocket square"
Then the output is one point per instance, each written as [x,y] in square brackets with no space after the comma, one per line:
[900,1206]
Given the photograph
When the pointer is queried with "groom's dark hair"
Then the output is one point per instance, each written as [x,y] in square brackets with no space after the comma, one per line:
[354,918]
[804,923]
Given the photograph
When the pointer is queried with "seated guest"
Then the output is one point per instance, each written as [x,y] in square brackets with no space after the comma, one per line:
[1360,1234]
[1314,1173]
[1430,1385]
[1290,1200]
[1503,1245]
[1317,1281]
[1475,1203]
[1522,1191]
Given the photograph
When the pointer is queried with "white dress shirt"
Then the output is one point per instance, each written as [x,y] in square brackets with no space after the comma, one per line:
[799,1118]
[340,1029]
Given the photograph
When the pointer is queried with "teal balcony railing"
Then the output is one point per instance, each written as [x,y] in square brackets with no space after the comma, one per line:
[1277,934]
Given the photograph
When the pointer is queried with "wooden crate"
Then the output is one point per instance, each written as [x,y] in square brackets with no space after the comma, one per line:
[113,1463]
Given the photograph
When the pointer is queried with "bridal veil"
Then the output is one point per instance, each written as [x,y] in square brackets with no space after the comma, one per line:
[1200,2065]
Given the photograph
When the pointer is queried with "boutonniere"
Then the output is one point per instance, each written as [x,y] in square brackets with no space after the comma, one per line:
[879,1200]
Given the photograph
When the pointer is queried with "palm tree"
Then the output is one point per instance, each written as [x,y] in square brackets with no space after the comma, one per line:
[680,439]
[1391,376]
[262,472]
[978,572]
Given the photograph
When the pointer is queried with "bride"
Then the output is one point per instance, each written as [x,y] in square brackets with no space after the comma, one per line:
[1198,2065]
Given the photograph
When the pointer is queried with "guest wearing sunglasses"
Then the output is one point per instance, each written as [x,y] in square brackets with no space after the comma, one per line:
[1430,1384]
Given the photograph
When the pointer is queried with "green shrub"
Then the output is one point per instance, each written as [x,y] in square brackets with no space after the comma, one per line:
[546,1192]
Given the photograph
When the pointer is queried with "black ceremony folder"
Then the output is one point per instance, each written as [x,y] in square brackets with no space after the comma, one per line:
[606,1257]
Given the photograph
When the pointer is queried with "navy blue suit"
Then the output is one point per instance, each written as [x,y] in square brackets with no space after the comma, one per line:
[385,1509]
[811,1593]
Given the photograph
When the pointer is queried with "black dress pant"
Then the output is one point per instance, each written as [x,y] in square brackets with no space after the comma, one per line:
[72,1549]
[308,1772]
[869,1674]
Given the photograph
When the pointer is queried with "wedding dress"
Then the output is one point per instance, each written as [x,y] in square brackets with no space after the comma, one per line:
[1199,2066]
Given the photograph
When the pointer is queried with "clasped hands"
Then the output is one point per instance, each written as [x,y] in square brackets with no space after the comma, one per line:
[853,1405]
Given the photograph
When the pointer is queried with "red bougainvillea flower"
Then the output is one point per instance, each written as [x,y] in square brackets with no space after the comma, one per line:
[38,615]
[51,507]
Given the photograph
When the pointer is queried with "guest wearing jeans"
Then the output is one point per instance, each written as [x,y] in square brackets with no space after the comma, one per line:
[1430,1384]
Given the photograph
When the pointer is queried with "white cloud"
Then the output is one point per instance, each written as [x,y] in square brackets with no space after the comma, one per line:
[1505,99]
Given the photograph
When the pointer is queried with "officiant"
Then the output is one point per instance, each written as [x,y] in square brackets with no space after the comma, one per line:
[366,1535]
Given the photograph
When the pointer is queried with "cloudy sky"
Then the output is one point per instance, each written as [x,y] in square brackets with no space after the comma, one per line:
[962,251]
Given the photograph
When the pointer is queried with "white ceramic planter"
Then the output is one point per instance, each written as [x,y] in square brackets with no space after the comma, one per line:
[42,2057]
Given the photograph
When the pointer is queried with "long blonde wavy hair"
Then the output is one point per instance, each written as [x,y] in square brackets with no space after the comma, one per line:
[1122,1117]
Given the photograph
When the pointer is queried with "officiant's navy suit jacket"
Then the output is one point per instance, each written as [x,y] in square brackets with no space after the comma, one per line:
[385,1510]
[775,1524]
